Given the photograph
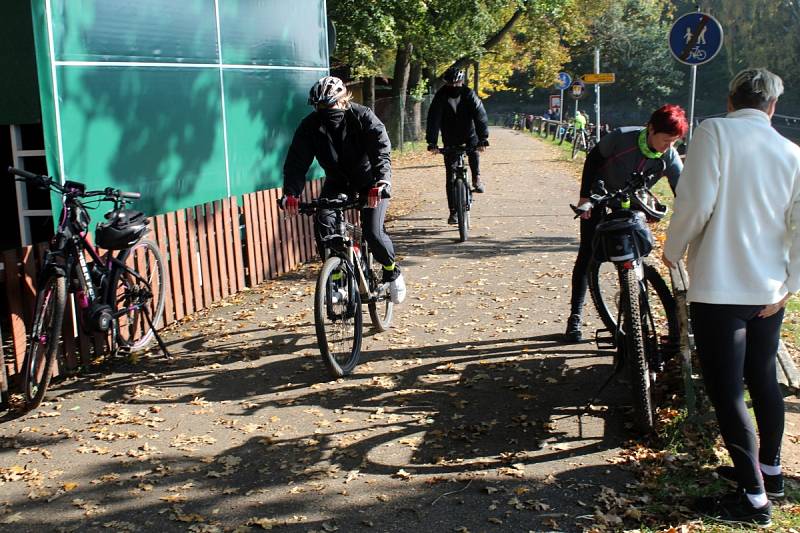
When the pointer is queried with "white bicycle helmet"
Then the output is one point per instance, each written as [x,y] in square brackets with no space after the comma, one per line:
[327,91]
[453,75]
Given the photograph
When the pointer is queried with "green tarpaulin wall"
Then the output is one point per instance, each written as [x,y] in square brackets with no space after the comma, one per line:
[185,101]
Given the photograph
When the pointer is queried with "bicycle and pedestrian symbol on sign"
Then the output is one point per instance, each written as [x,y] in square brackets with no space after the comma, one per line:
[695,38]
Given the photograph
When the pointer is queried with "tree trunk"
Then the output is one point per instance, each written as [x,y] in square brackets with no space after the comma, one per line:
[414,104]
[402,66]
[369,92]
[476,76]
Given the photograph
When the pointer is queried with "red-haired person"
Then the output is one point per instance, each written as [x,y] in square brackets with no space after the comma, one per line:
[615,157]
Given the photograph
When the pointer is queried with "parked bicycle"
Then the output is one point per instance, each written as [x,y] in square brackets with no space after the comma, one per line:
[461,190]
[633,300]
[583,141]
[350,276]
[119,294]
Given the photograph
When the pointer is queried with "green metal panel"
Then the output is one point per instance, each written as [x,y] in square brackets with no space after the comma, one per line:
[151,130]
[273,32]
[144,30]
[139,91]
[260,129]
[46,89]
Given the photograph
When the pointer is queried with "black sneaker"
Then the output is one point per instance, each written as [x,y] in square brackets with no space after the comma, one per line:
[734,508]
[773,485]
[452,219]
[573,333]
[477,185]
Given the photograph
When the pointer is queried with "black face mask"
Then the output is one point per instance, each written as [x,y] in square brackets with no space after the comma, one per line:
[331,118]
[452,90]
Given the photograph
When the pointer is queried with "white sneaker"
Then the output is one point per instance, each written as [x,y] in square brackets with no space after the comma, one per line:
[397,289]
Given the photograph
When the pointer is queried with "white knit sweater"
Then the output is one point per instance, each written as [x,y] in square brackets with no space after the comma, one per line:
[737,207]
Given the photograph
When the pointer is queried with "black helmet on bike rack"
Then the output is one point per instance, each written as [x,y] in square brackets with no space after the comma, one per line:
[327,91]
[453,75]
[645,201]
[122,229]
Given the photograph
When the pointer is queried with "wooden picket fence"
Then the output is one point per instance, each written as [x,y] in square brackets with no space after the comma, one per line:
[211,251]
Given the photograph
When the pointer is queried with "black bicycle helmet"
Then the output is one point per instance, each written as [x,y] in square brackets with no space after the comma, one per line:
[453,75]
[122,229]
[327,91]
[645,201]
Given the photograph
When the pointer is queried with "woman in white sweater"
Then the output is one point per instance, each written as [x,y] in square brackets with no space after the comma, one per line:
[736,209]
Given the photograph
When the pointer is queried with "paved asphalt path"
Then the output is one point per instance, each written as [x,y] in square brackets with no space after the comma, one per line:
[463,417]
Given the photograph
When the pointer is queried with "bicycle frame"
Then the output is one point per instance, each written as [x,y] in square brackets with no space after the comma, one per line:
[342,243]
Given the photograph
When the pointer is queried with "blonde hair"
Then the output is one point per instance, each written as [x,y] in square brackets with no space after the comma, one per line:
[755,87]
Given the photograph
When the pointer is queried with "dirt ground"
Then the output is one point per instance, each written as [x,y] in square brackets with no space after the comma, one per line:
[468,415]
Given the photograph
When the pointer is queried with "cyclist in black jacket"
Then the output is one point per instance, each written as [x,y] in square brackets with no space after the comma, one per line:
[458,113]
[351,145]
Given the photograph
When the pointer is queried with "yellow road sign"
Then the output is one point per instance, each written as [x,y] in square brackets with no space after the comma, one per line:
[602,77]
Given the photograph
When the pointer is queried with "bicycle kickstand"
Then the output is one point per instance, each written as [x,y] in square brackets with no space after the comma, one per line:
[156,335]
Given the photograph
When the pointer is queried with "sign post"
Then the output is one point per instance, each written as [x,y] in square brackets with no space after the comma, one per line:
[694,39]
[564,81]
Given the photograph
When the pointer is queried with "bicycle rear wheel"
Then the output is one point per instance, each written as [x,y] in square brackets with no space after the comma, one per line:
[635,350]
[130,294]
[337,317]
[461,209]
[41,355]
[604,288]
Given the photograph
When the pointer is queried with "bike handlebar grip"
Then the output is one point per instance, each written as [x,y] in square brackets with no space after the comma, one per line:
[130,195]
[23,173]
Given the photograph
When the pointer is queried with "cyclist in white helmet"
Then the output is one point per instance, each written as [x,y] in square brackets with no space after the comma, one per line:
[351,145]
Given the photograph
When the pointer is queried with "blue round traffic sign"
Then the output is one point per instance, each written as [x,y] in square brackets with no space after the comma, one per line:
[695,38]
[564,81]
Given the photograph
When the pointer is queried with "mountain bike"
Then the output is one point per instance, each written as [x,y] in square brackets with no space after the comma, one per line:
[350,276]
[644,328]
[461,190]
[119,294]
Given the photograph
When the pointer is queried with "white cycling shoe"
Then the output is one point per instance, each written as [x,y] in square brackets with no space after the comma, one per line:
[397,289]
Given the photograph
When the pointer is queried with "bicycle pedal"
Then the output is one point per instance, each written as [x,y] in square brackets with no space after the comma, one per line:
[604,340]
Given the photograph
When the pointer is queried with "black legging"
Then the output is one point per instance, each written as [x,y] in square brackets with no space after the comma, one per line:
[371,225]
[734,344]
[449,165]
[580,272]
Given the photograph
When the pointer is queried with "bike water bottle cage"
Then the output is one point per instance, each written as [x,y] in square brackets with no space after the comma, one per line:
[648,152]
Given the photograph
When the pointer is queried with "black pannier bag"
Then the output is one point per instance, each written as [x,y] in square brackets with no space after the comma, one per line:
[622,236]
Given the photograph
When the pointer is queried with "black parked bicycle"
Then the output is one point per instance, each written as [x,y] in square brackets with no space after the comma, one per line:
[632,299]
[350,276]
[461,190]
[120,294]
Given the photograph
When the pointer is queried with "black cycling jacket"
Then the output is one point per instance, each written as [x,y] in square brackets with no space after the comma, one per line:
[365,156]
[460,116]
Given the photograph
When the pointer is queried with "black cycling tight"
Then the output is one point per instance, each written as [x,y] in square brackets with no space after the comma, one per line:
[735,346]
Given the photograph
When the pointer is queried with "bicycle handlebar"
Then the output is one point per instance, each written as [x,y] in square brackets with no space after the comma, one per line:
[638,180]
[46,182]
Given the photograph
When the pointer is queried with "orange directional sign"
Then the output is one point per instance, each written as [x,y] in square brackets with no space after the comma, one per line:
[602,77]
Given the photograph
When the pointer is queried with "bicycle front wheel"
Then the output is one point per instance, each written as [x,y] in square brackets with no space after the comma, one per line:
[604,288]
[40,357]
[337,317]
[576,145]
[131,295]
[635,350]
[461,209]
